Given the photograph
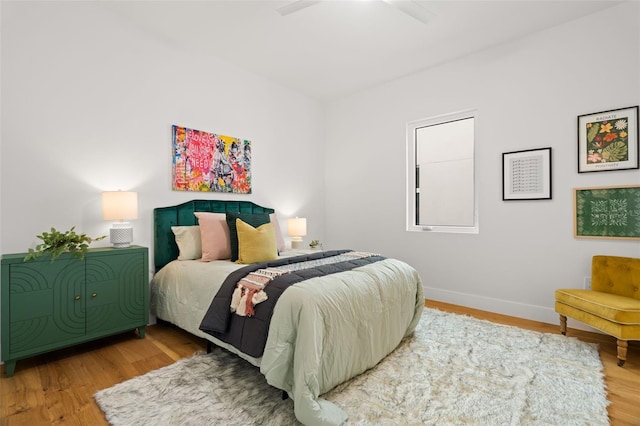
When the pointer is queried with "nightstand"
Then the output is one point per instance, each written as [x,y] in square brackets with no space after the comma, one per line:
[297,252]
[50,305]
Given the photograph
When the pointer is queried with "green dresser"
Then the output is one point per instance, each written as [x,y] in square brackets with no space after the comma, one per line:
[49,305]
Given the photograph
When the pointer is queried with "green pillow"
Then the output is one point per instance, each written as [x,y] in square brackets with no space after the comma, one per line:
[255,220]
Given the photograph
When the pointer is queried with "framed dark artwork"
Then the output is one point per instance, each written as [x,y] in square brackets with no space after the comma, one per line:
[608,140]
[607,212]
[526,175]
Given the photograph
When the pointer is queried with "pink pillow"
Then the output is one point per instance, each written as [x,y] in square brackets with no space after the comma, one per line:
[214,233]
[279,238]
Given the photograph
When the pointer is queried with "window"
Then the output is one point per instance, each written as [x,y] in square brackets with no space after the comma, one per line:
[441,193]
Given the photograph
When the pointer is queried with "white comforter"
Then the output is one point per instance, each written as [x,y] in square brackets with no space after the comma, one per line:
[323,331]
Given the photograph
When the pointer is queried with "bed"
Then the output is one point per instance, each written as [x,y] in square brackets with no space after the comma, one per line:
[323,330]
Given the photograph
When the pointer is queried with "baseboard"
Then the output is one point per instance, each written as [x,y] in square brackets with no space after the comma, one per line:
[501,306]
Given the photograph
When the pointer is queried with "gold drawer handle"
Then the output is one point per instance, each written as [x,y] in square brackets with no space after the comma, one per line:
[77,298]
[94,294]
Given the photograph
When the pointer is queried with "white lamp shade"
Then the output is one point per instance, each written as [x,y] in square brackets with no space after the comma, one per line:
[297,227]
[119,205]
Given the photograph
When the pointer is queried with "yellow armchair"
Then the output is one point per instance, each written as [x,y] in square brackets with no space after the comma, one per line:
[613,303]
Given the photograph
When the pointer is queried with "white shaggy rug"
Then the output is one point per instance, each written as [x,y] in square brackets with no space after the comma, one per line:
[455,370]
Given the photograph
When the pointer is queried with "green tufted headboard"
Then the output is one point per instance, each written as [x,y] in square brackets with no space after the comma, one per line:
[164,244]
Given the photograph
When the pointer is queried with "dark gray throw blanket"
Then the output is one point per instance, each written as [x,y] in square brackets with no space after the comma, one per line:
[249,334]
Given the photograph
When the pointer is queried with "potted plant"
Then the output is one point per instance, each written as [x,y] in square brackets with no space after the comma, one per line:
[55,243]
[314,244]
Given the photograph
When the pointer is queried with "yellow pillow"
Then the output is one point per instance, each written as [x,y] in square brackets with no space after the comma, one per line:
[256,244]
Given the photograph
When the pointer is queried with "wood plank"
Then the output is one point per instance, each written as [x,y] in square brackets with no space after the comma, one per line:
[22,401]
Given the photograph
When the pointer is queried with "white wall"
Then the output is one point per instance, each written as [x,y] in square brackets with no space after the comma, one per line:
[87,106]
[88,102]
[528,94]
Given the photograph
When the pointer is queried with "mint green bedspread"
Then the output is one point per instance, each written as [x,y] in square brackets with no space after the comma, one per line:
[323,335]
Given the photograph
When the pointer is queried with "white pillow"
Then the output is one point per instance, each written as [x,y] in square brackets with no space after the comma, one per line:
[279,238]
[189,242]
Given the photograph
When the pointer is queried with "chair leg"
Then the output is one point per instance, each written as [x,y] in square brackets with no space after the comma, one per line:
[563,325]
[622,352]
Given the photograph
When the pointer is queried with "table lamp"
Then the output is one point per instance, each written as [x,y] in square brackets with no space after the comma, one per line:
[120,206]
[297,228]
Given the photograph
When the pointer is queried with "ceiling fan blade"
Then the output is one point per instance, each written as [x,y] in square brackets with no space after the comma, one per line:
[295,6]
[410,7]
[413,9]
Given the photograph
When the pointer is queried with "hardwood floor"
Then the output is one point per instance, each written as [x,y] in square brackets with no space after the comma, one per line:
[58,388]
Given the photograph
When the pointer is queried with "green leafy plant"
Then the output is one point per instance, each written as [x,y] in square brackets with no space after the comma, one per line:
[315,243]
[55,243]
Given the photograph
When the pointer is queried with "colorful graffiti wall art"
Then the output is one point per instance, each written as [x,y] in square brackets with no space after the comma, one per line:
[208,162]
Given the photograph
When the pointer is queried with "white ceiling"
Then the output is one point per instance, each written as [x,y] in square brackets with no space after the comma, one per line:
[337,47]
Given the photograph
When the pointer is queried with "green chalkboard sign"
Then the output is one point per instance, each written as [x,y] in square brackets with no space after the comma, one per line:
[607,212]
